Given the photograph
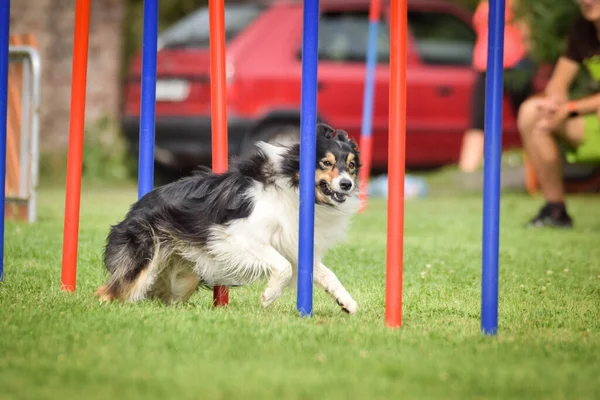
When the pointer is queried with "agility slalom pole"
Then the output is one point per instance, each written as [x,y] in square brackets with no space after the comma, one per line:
[492,157]
[148,98]
[308,150]
[366,144]
[218,102]
[4,37]
[396,163]
[75,151]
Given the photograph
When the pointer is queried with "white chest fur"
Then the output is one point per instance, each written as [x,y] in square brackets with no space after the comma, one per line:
[242,247]
[275,217]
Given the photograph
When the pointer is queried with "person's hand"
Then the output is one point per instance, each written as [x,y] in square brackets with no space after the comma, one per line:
[553,112]
[559,117]
[548,124]
[549,105]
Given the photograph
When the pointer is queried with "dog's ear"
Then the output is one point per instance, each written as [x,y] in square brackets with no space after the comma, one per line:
[343,136]
[325,130]
[291,164]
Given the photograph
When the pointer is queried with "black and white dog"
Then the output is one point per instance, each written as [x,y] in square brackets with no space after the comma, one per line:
[233,228]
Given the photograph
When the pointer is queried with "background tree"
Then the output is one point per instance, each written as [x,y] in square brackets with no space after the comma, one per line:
[550,22]
[169,12]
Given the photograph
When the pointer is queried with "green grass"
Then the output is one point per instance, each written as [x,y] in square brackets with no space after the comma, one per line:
[60,345]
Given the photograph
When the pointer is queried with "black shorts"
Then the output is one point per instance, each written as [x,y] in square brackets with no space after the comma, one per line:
[517,93]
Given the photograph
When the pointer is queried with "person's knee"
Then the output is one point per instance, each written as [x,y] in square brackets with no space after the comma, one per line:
[528,115]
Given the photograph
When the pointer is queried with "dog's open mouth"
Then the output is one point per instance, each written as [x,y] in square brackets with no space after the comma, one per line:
[329,192]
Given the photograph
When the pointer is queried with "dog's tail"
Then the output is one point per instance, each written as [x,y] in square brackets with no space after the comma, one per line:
[129,250]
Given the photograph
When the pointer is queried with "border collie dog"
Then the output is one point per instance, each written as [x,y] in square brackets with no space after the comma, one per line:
[234,228]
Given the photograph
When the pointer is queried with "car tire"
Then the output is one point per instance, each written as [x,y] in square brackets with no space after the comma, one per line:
[280,133]
[164,174]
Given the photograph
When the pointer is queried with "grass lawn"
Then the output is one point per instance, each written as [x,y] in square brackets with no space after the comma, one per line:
[56,345]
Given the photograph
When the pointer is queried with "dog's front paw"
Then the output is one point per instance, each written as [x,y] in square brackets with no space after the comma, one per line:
[269,296]
[348,306]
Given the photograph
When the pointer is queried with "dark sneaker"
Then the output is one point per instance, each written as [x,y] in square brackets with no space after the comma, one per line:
[552,215]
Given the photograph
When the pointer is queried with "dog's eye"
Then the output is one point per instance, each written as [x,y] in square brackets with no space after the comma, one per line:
[351,165]
[327,163]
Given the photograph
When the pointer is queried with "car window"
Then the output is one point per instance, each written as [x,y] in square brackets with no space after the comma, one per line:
[442,38]
[343,38]
[193,30]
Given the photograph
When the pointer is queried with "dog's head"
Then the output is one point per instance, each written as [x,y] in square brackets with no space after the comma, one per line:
[336,169]
[338,163]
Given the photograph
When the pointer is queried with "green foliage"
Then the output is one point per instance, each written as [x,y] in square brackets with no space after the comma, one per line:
[106,157]
[469,4]
[169,12]
[550,22]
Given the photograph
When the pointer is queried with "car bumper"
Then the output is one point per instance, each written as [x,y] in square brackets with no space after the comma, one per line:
[184,142]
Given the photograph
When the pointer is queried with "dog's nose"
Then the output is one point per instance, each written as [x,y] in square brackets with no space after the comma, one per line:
[346,184]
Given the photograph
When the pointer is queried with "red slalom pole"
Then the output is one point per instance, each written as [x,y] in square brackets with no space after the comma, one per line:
[218,101]
[75,151]
[396,163]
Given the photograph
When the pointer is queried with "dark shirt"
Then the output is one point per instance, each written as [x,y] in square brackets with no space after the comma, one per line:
[583,47]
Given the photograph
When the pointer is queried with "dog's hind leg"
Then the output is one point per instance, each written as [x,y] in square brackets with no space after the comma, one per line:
[184,285]
[124,288]
[327,280]
[133,284]
[177,282]
[132,257]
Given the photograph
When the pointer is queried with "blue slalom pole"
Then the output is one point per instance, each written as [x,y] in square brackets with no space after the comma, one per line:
[368,95]
[4,36]
[366,145]
[148,98]
[367,117]
[308,149]
[492,157]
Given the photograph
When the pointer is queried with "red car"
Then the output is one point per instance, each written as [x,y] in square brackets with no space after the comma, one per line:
[264,76]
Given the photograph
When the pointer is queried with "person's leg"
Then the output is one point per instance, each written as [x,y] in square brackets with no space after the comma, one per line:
[471,152]
[546,159]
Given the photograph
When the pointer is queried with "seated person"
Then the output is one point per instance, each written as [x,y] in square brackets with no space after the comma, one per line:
[544,119]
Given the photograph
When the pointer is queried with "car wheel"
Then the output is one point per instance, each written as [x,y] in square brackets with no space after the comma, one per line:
[164,175]
[277,134]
